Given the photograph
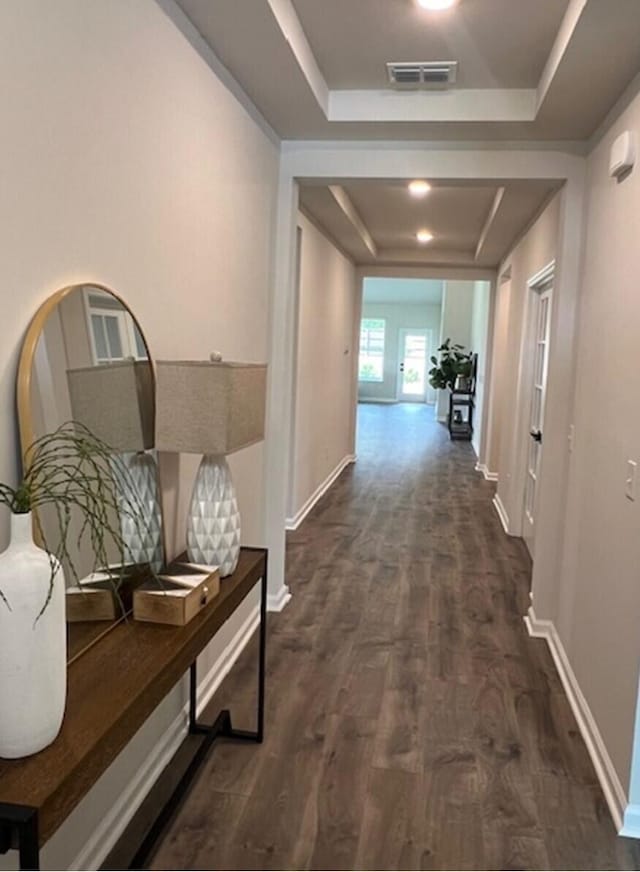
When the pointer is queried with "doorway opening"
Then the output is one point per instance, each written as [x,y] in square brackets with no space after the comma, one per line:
[404,321]
[399,332]
[415,349]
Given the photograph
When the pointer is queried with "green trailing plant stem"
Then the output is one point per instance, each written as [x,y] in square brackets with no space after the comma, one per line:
[74,472]
[454,361]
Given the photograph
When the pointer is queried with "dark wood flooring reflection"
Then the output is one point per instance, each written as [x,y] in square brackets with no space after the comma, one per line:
[411,722]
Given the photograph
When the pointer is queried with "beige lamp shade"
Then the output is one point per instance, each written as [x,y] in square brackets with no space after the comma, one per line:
[116,402]
[208,407]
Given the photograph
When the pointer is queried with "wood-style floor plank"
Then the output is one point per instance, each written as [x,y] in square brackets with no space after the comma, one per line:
[411,723]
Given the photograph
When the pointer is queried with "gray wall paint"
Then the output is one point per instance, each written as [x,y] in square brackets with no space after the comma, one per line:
[594,598]
[598,599]
[532,254]
[325,387]
[499,373]
[132,165]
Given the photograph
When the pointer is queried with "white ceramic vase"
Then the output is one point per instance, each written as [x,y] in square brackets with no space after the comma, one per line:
[33,650]
[213,528]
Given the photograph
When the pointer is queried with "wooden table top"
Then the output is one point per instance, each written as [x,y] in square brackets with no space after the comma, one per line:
[112,689]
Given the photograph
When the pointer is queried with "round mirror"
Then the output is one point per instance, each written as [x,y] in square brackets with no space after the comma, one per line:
[85,359]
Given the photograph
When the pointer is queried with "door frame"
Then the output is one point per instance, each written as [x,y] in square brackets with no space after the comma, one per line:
[428,334]
[537,283]
[530,518]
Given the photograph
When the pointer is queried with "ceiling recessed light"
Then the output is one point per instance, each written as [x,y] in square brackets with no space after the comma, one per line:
[419,188]
[436,5]
[423,236]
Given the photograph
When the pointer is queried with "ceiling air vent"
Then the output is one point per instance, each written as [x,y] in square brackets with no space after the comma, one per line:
[427,74]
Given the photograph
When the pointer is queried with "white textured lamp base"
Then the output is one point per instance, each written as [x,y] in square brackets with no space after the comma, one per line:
[143,540]
[213,529]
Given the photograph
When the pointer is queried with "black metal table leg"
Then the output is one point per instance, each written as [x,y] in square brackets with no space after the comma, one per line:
[221,726]
[257,735]
[19,829]
[193,697]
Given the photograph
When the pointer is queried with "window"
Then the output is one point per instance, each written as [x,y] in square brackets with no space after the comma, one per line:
[114,335]
[371,363]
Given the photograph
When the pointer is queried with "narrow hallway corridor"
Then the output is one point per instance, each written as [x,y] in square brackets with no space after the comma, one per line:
[411,721]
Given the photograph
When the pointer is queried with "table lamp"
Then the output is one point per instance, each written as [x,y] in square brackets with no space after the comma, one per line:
[211,408]
[115,401]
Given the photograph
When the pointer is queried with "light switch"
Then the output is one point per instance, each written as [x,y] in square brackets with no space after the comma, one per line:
[572,437]
[630,484]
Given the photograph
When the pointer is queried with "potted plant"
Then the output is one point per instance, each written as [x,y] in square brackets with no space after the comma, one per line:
[454,363]
[69,473]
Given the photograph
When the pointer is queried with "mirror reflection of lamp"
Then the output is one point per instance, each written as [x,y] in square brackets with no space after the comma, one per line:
[213,408]
[115,402]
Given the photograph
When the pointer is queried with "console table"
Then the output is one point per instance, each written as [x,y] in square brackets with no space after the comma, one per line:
[112,689]
[461,405]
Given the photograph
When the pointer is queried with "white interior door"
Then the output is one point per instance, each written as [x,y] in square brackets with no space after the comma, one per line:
[535,436]
[413,347]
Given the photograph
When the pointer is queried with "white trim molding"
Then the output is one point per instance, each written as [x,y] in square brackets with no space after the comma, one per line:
[502,513]
[277,601]
[113,824]
[541,279]
[320,491]
[375,400]
[607,775]
[489,476]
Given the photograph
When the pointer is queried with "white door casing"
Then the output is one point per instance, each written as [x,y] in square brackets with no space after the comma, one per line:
[541,301]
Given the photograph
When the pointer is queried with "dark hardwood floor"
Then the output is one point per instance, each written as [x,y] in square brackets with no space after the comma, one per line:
[411,722]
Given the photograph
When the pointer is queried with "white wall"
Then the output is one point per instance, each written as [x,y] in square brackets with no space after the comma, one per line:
[590,594]
[420,316]
[535,251]
[478,343]
[496,420]
[325,399]
[457,310]
[596,602]
[126,162]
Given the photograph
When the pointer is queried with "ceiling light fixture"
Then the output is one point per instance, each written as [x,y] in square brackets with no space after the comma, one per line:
[436,5]
[423,236]
[419,188]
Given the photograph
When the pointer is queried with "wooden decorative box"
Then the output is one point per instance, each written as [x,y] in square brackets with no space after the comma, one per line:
[102,596]
[177,595]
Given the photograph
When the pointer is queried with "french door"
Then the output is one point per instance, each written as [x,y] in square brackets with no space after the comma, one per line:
[413,348]
[535,437]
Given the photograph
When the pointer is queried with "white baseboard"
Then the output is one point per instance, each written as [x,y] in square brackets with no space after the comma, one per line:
[277,601]
[502,513]
[375,401]
[112,826]
[607,775]
[301,514]
[489,476]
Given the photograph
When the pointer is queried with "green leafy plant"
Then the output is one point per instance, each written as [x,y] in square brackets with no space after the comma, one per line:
[454,361]
[411,377]
[368,372]
[76,473]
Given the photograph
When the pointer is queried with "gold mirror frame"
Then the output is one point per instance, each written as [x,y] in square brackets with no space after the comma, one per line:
[27,354]
[23,395]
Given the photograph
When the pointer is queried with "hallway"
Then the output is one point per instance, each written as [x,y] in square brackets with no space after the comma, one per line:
[411,722]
